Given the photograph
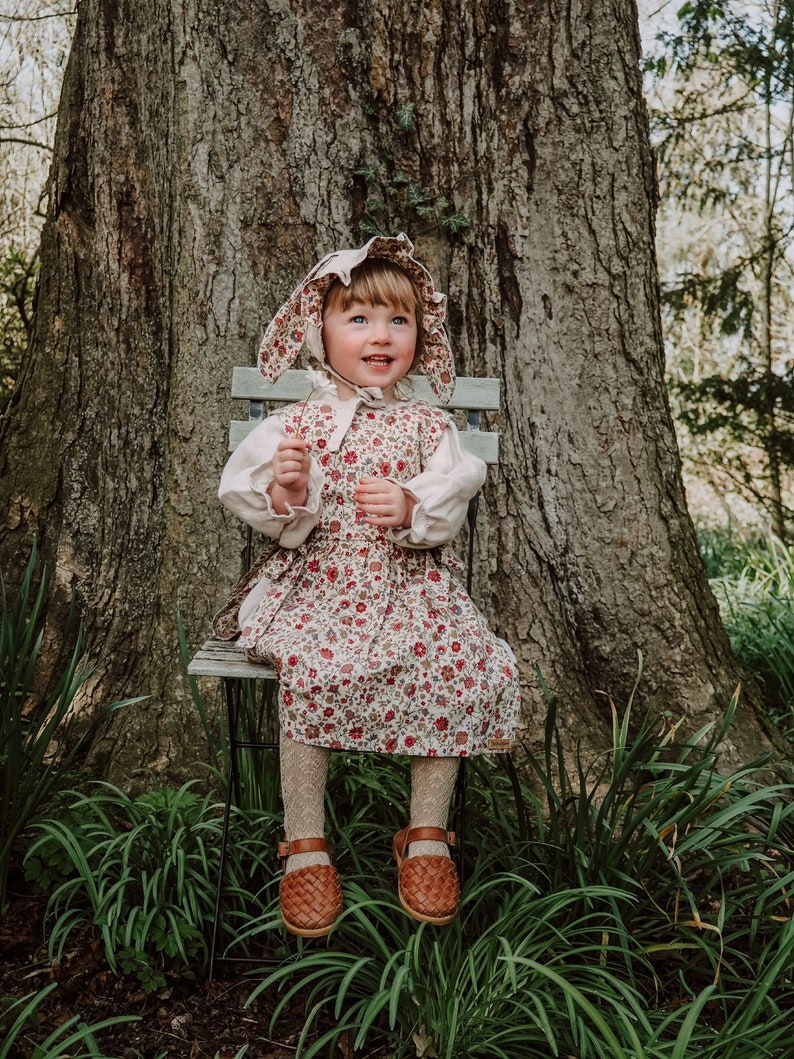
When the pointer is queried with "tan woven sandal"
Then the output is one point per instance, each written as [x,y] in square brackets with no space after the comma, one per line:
[311,898]
[427,885]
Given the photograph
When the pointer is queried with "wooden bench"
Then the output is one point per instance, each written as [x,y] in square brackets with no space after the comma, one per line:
[224,660]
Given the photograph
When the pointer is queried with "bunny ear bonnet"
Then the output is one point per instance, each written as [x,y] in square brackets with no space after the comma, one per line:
[299,321]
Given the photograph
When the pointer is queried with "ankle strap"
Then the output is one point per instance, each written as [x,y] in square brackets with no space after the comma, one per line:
[303,845]
[430,834]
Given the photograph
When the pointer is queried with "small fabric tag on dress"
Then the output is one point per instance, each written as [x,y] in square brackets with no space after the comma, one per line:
[499,744]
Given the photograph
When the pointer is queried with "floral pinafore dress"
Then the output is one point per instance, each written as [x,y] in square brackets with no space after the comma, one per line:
[377,646]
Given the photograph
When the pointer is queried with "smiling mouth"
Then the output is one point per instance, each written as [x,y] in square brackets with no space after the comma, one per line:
[379,361]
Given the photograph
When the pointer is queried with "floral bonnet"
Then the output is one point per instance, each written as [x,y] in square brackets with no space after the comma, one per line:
[299,321]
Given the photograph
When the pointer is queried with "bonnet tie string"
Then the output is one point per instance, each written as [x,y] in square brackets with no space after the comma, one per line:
[345,411]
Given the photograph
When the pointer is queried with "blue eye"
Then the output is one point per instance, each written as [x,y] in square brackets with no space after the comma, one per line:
[400,320]
[358,319]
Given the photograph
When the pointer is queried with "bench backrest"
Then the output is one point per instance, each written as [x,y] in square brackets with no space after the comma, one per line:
[472,396]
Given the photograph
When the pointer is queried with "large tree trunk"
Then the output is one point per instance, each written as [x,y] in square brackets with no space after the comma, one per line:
[207,154]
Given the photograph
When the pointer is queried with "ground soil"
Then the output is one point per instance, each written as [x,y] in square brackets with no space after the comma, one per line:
[189,1019]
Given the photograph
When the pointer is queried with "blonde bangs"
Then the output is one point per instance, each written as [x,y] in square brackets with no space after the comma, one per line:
[375,282]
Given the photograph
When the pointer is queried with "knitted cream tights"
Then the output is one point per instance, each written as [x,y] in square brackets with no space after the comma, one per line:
[432,784]
[303,774]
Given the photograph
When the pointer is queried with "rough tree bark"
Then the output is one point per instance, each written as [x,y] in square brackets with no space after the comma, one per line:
[206,155]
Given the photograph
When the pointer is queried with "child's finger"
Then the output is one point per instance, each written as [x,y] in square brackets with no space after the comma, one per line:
[375,510]
[373,496]
[377,487]
[296,445]
[293,452]
[288,456]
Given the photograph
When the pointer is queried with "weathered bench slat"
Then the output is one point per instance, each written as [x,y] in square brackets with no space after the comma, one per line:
[223,658]
[470,393]
[480,443]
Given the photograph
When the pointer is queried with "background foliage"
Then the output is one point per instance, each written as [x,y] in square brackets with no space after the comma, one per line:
[721,84]
[34,44]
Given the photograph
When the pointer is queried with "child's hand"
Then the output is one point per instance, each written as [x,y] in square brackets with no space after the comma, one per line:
[383,503]
[291,465]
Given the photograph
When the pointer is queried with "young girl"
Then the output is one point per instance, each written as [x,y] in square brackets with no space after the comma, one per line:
[376,645]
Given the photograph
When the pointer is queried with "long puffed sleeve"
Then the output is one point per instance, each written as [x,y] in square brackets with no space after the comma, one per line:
[450,479]
[247,477]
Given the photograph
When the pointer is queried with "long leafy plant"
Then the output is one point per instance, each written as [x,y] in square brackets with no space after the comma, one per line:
[646,913]
[755,592]
[35,752]
[19,1026]
[142,872]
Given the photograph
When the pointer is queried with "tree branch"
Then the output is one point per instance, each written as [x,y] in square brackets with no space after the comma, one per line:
[38,18]
[26,143]
[30,124]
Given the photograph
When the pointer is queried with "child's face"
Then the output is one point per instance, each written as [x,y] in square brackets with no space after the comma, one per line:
[369,345]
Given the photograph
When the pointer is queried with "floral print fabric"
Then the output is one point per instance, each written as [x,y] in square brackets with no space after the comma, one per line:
[376,644]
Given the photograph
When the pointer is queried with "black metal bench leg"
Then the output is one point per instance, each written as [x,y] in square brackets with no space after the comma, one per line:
[233,692]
